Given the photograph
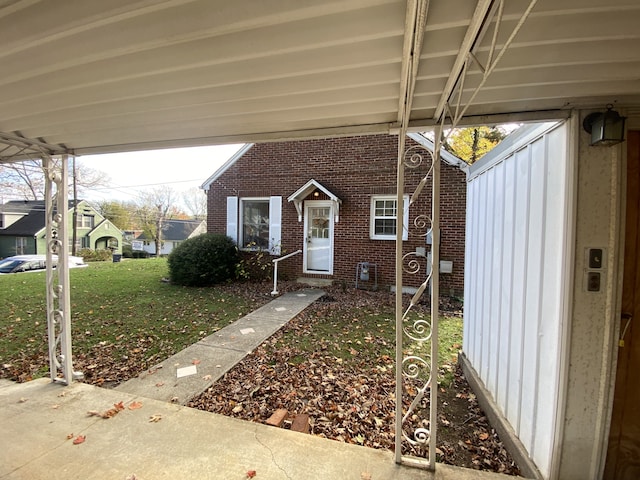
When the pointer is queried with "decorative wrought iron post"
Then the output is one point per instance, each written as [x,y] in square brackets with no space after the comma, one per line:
[416,374]
[58,285]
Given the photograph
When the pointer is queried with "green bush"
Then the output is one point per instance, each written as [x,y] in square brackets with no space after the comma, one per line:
[94,255]
[255,266]
[203,261]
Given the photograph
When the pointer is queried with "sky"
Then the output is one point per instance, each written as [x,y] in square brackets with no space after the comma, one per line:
[134,172]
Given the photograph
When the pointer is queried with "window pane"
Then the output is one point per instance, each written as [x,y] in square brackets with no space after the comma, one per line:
[255,223]
[319,222]
[21,245]
[385,226]
[385,208]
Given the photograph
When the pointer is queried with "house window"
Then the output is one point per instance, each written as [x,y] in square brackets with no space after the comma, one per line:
[255,223]
[85,221]
[384,214]
[21,245]
[78,244]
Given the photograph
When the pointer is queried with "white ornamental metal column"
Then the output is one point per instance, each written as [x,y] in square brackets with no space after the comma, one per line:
[58,284]
[416,374]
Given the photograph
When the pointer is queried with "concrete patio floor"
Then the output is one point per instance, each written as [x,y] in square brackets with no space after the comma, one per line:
[41,419]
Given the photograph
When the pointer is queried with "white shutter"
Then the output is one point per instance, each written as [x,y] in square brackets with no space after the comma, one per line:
[275,224]
[232,218]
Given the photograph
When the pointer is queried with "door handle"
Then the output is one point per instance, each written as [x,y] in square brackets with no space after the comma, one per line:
[625,316]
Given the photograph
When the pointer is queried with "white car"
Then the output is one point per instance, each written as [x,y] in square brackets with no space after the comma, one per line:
[33,263]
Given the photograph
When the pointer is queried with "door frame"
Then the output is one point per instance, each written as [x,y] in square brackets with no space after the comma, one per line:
[311,204]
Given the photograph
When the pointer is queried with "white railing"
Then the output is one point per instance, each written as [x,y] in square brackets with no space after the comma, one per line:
[275,270]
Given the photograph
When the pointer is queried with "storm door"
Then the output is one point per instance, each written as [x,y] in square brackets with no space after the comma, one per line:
[318,242]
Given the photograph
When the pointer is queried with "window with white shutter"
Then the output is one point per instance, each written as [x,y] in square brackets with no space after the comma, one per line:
[255,223]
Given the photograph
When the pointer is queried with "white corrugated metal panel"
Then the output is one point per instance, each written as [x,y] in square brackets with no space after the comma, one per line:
[514,265]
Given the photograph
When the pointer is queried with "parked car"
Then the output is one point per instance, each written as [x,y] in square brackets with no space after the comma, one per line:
[33,263]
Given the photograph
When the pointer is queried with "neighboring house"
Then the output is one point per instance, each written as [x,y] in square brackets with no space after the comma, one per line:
[174,232]
[551,293]
[22,228]
[335,200]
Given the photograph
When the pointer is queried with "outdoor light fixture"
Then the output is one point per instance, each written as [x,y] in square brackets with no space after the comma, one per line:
[606,128]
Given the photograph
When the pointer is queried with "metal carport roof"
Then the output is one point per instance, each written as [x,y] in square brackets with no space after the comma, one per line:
[117,75]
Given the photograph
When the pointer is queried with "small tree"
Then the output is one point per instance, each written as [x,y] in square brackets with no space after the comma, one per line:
[154,208]
[203,261]
[195,202]
[25,180]
[470,144]
[119,213]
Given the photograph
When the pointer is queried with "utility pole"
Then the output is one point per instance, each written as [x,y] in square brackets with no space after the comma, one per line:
[75,209]
[159,225]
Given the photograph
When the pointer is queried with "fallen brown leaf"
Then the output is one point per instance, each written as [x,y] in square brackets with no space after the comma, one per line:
[155,418]
[79,439]
[251,473]
[135,405]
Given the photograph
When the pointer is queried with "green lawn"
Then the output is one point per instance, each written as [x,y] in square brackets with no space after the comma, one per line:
[121,312]
[362,335]
[125,320]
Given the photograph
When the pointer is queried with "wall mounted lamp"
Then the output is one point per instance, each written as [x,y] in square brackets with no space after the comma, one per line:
[606,128]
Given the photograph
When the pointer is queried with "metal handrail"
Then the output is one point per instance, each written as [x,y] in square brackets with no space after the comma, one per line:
[275,270]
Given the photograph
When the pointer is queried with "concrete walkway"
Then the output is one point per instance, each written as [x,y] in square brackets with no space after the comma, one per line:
[191,371]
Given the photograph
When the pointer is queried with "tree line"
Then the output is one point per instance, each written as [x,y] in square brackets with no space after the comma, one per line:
[148,213]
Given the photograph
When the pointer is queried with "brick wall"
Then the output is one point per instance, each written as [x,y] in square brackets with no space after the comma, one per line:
[354,169]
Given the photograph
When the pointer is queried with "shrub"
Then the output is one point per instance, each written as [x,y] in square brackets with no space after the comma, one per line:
[255,266]
[94,255]
[203,261]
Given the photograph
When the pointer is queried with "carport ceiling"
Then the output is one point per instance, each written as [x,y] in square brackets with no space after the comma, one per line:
[116,75]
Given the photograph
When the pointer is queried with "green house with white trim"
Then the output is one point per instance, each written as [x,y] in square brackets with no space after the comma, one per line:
[22,228]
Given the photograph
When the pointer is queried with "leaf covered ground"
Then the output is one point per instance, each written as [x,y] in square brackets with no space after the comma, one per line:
[335,363]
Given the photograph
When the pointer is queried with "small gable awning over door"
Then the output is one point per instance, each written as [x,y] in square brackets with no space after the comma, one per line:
[307,189]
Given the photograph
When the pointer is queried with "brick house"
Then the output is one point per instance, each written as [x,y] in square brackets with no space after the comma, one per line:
[334,199]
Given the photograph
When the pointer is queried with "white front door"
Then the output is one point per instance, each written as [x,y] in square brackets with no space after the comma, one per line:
[318,242]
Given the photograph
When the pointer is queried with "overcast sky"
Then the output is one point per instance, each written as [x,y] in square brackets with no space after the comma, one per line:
[133,172]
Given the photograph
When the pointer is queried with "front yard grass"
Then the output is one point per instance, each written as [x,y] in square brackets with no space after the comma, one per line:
[124,319]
